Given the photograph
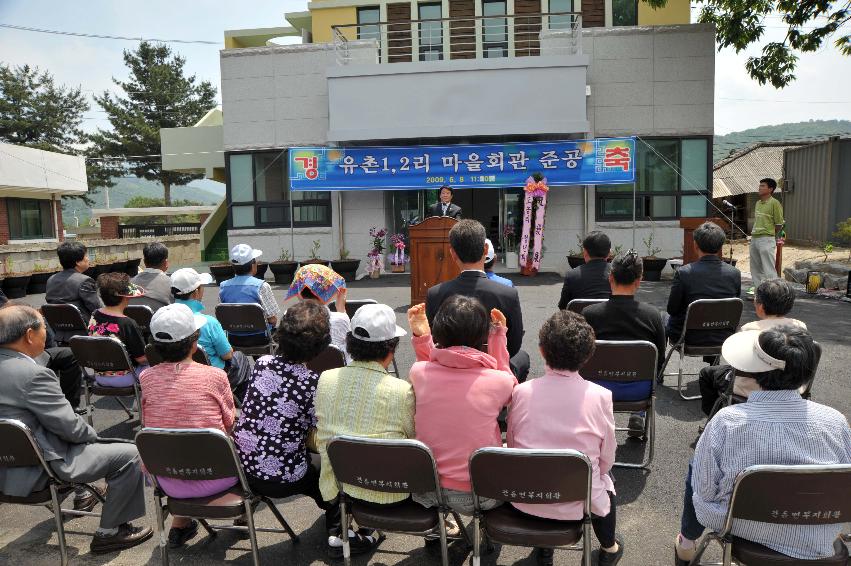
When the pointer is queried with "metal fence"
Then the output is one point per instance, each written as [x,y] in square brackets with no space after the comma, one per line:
[468,37]
[146,230]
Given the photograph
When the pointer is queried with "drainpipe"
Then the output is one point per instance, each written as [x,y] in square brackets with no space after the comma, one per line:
[340,219]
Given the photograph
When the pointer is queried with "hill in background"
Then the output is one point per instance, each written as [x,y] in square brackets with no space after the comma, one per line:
[798,131]
[202,191]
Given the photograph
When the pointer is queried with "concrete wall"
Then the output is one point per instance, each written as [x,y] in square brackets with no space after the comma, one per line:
[193,148]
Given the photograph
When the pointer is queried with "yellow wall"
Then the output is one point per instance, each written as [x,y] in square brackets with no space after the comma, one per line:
[324,18]
[674,12]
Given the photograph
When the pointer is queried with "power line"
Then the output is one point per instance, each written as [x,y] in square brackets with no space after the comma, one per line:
[98,36]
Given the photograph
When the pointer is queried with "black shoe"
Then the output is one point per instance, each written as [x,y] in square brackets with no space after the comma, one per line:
[241,534]
[88,501]
[611,558]
[637,424]
[363,540]
[127,536]
[177,537]
[545,556]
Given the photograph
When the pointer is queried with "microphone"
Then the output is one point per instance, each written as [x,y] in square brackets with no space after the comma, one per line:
[728,203]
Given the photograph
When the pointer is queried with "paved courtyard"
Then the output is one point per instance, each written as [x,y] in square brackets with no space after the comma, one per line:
[649,502]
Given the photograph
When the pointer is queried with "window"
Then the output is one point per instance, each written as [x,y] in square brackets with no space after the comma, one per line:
[624,12]
[368,19]
[30,219]
[671,182]
[259,195]
[431,33]
[494,29]
[560,7]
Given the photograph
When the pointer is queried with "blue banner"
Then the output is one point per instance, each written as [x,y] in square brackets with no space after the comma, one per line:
[569,162]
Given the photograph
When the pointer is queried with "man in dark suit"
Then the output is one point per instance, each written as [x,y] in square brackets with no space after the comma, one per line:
[467,242]
[590,280]
[444,206]
[706,278]
[71,286]
[30,393]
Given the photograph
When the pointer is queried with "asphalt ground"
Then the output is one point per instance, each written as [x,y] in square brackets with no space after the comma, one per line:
[649,501]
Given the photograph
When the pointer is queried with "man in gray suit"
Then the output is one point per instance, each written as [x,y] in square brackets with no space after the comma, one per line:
[70,286]
[152,279]
[31,394]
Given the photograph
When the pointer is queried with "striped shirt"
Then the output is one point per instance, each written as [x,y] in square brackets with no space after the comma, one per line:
[361,399]
[773,427]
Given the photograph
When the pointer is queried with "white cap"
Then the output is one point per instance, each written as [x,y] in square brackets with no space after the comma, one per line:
[376,323]
[743,352]
[243,253]
[187,280]
[173,323]
[490,253]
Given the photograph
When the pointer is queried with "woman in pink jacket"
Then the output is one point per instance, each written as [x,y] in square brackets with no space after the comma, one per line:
[562,410]
[460,390]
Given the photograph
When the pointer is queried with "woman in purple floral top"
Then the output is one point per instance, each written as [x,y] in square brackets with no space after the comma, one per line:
[277,412]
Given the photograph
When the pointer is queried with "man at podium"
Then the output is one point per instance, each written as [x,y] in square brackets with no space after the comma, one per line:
[444,206]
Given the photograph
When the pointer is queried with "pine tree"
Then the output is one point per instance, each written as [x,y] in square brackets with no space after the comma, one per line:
[156,95]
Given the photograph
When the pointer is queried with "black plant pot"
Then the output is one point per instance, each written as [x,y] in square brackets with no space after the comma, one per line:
[283,271]
[653,267]
[119,267]
[221,272]
[38,282]
[91,272]
[15,286]
[348,268]
[132,268]
[575,261]
[102,268]
[261,270]
[316,261]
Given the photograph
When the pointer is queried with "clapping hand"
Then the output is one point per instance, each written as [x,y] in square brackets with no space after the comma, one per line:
[497,318]
[418,321]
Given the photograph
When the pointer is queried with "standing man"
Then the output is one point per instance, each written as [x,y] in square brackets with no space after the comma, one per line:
[153,278]
[767,223]
[445,207]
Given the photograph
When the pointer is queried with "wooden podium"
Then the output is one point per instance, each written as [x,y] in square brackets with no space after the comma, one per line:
[430,260]
[689,225]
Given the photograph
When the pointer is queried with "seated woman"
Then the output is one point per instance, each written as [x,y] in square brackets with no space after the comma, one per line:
[115,291]
[775,426]
[323,284]
[460,390]
[773,300]
[180,393]
[561,410]
[278,409]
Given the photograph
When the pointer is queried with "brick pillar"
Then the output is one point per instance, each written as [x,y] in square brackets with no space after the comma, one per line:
[60,225]
[109,227]
[4,223]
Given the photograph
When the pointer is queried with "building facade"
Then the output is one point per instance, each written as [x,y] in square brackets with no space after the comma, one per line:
[411,74]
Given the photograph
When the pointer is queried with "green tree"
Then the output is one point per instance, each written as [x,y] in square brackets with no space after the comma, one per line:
[156,95]
[740,23]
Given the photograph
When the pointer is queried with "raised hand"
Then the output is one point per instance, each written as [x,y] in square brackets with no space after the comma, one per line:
[418,321]
[497,318]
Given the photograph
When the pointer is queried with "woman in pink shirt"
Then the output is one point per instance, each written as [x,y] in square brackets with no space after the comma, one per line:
[562,410]
[460,390]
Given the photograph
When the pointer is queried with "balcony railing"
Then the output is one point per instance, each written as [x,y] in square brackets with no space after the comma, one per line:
[469,37]
[145,230]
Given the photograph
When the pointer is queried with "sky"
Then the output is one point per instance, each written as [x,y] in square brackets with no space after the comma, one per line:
[822,89]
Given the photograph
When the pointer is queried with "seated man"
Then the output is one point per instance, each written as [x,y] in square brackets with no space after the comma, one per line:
[31,394]
[706,278]
[246,288]
[467,247]
[776,427]
[362,399]
[490,257]
[116,291]
[624,318]
[153,278]
[590,280]
[187,285]
[774,299]
[71,286]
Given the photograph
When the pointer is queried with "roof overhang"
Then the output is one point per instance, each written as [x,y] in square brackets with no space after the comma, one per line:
[29,172]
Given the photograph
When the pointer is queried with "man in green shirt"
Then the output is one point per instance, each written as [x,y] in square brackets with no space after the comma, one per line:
[768,222]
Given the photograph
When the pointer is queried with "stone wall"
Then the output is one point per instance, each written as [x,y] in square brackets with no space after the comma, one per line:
[183,250]
[834,275]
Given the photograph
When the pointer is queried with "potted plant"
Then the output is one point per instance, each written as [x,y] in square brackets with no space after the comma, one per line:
[374,263]
[222,272]
[314,255]
[653,265]
[575,258]
[375,258]
[399,258]
[38,280]
[118,265]
[103,265]
[347,268]
[283,268]
[132,268]
[510,257]
[14,284]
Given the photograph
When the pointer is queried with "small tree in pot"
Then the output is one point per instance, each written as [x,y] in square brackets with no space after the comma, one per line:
[576,258]
[283,268]
[653,265]
[346,267]
[314,255]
